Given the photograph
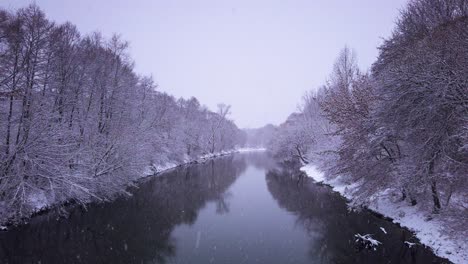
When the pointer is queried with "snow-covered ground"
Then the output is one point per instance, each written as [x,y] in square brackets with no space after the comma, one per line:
[431,233]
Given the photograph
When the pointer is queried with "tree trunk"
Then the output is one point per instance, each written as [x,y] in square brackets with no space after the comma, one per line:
[403,194]
[412,199]
[301,157]
[449,195]
[10,114]
[435,196]
[10,107]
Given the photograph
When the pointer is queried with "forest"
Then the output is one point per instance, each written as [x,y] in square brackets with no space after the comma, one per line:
[401,128]
[78,124]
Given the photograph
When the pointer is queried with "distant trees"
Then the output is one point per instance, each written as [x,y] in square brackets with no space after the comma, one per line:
[403,126]
[219,129]
[76,121]
[292,139]
[259,137]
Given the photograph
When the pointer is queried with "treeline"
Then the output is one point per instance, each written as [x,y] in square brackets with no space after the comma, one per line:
[77,123]
[402,126]
[259,137]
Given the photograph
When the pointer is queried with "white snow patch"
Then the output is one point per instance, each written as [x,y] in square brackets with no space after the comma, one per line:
[367,240]
[251,149]
[410,244]
[166,166]
[314,173]
[38,200]
[383,230]
[337,183]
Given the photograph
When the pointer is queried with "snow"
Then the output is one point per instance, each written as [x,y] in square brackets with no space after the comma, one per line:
[430,232]
[251,149]
[409,244]
[38,200]
[314,173]
[164,167]
[383,230]
[367,240]
[337,184]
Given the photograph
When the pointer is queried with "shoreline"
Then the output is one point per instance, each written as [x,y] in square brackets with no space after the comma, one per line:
[428,232]
[169,166]
[147,173]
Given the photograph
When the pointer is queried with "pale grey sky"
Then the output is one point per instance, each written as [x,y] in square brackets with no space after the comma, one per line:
[259,56]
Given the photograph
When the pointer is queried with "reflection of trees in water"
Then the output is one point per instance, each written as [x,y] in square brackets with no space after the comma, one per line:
[128,230]
[222,205]
[331,226]
[260,160]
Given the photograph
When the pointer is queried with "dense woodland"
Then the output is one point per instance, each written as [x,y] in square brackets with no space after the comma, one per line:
[402,126]
[78,124]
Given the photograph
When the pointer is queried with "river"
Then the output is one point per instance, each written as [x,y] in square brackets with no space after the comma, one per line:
[242,208]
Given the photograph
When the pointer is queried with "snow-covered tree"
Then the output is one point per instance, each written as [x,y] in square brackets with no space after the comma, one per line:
[76,121]
[421,76]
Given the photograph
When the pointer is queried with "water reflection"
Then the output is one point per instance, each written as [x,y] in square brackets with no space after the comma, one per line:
[131,230]
[331,226]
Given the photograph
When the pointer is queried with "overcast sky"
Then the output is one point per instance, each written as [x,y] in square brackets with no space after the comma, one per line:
[259,56]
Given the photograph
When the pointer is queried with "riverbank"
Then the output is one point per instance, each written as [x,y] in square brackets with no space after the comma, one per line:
[157,169]
[433,231]
[42,205]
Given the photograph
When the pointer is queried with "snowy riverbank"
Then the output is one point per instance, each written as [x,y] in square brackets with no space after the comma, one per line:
[40,203]
[431,233]
[156,169]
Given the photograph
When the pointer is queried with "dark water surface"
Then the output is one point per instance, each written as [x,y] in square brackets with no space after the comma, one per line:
[238,209]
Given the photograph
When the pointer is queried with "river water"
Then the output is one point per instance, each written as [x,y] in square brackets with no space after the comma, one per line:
[243,208]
